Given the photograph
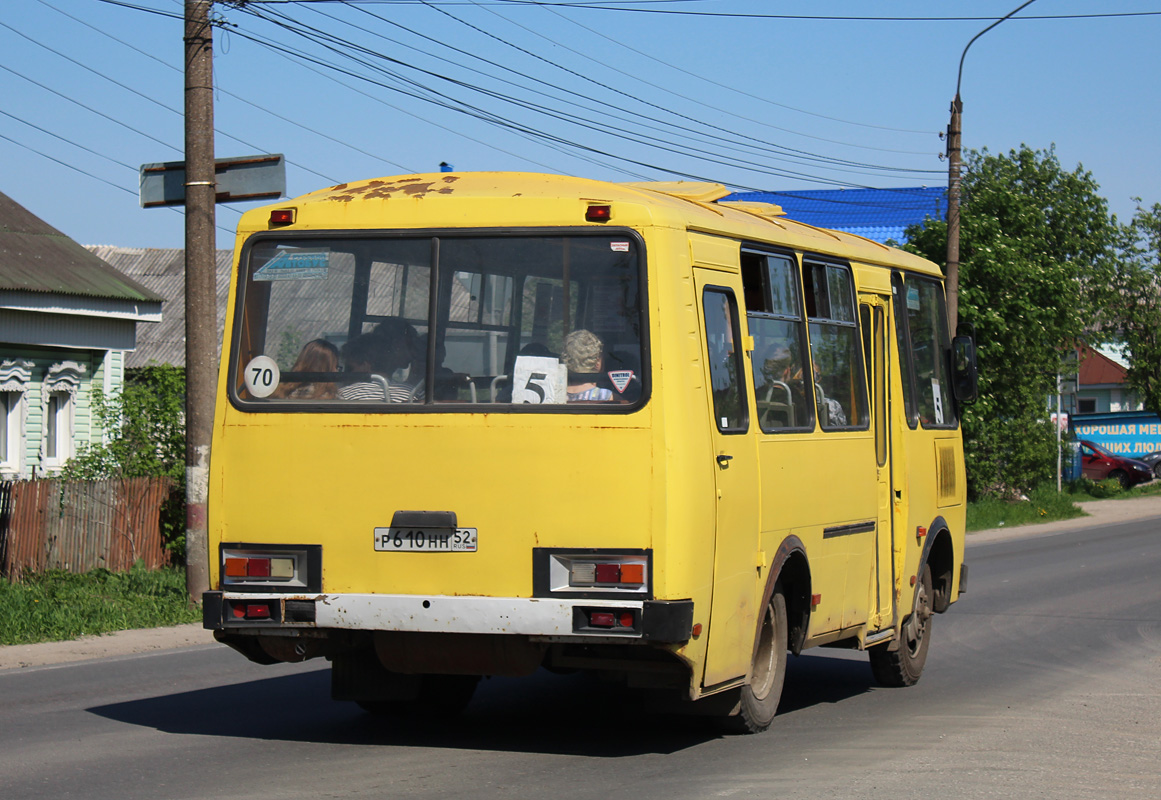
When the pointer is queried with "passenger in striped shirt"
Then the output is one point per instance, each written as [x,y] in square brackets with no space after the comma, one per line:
[381,353]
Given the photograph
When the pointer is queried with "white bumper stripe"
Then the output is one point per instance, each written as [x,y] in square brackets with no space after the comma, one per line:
[442,614]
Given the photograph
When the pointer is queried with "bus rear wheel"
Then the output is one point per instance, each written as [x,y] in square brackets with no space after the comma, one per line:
[903,666]
[759,698]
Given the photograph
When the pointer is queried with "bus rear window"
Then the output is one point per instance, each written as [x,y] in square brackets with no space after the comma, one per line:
[399,323]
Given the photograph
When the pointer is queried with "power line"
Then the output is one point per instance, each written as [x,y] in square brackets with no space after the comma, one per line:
[346,49]
[750,143]
[734,89]
[437,98]
[91,109]
[230,94]
[146,97]
[611,5]
[89,174]
[716,128]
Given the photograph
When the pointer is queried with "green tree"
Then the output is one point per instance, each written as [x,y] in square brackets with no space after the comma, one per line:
[1036,255]
[1134,306]
[145,437]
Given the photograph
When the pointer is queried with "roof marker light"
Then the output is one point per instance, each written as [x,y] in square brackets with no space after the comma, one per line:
[282,216]
[599,213]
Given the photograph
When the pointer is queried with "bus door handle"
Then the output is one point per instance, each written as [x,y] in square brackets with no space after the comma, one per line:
[724,461]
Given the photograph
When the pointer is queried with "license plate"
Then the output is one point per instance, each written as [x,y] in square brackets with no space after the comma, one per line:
[426,540]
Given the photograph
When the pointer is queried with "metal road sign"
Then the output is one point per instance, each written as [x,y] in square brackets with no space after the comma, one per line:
[261,177]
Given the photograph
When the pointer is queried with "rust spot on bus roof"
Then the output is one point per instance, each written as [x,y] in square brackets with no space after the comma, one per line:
[385,190]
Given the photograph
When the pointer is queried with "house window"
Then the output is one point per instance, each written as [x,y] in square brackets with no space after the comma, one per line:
[15,374]
[1086,405]
[58,429]
[58,395]
[9,430]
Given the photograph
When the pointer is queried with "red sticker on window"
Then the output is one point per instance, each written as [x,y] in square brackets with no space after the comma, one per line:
[621,378]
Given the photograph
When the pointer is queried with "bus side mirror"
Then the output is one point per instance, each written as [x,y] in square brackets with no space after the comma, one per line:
[965,374]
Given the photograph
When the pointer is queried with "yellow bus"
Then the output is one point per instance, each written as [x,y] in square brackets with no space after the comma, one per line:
[475,424]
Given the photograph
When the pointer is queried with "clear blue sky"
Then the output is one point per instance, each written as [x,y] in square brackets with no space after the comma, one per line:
[628,91]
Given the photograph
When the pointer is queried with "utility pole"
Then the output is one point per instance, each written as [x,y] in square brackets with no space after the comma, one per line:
[200,287]
[954,129]
[953,170]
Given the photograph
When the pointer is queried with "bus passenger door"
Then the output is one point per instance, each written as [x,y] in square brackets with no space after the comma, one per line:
[873,318]
[733,616]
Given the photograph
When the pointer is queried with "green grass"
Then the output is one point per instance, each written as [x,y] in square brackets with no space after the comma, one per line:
[56,606]
[1042,505]
[1046,505]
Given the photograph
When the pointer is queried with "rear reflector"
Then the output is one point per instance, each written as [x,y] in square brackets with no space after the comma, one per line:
[250,611]
[602,619]
[608,573]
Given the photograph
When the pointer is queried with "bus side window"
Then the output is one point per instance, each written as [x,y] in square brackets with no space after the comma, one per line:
[902,341]
[927,325]
[840,390]
[774,314]
[725,361]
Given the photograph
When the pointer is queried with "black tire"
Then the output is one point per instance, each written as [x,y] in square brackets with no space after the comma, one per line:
[759,697]
[904,666]
[1121,477]
[439,696]
[1157,470]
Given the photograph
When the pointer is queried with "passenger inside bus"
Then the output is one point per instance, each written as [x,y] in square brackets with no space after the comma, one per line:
[583,356]
[378,355]
[831,413]
[318,355]
[447,381]
[785,394]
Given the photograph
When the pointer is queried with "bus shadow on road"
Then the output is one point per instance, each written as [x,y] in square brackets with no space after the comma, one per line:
[544,713]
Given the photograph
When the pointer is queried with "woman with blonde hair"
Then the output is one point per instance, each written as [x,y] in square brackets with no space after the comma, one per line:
[318,355]
[584,353]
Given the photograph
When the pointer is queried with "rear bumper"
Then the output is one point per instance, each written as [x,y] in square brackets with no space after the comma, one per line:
[660,621]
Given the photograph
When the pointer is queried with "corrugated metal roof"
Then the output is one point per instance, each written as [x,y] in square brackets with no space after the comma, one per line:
[877,214]
[36,257]
[162,270]
[1097,369]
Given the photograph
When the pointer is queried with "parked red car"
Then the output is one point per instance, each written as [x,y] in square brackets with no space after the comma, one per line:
[1097,463]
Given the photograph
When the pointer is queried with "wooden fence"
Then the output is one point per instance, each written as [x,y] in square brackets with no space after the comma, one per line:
[77,527]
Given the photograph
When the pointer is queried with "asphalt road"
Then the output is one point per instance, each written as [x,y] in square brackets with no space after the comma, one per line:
[1043,682]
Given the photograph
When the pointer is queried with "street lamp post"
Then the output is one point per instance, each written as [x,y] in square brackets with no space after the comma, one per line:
[953,182]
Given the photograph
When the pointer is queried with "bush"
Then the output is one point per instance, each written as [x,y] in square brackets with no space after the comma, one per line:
[145,437]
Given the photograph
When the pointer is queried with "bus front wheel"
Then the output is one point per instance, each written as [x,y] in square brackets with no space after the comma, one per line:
[759,698]
[903,666]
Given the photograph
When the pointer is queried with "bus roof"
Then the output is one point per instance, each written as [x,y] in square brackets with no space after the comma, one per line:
[485,199]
